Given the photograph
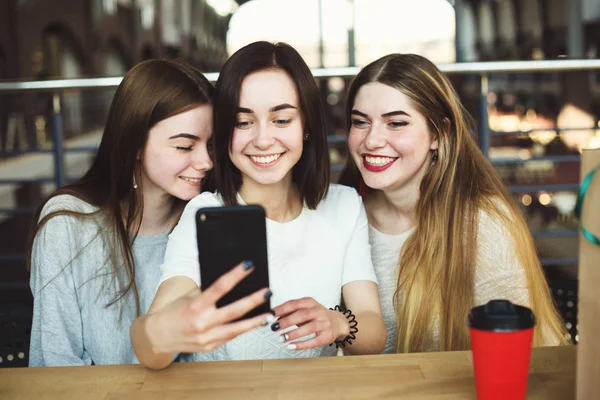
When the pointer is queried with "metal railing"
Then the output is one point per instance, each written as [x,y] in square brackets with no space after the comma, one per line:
[482,69]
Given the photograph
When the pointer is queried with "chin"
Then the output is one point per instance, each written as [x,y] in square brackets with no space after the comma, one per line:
[267,178]
[186,195]
[376,184]
[267,182]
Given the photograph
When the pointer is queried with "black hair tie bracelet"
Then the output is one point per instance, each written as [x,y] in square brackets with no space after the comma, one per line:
[353,327]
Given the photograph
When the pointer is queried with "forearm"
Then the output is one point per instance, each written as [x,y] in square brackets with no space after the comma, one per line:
[371,335]
[143,346]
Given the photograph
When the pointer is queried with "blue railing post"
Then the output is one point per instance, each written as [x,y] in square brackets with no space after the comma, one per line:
[484,121]
[58,140]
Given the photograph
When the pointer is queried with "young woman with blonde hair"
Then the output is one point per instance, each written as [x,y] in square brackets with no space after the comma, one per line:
[445,234]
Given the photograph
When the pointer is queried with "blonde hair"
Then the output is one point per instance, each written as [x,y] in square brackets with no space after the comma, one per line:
[437,266]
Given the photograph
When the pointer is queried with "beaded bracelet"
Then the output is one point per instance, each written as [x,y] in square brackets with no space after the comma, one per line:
[353,327]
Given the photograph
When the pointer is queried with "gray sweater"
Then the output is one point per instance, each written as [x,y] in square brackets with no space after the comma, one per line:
[72,282]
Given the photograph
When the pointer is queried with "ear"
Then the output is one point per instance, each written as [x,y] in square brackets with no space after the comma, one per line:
[435,143]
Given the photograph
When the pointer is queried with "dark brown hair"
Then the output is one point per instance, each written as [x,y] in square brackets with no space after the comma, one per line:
[311,173]
[150,92]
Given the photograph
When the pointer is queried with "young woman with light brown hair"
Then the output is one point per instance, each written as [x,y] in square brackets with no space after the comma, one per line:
[98,243]
[445,234]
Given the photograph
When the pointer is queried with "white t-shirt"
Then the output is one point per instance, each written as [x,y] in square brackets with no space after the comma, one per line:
[314,255]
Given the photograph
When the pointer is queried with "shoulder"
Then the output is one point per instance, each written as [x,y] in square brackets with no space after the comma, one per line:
[59,237]
[341,197]
[342,209]
[494,223]
[206,199]
[496,243]
[66,202]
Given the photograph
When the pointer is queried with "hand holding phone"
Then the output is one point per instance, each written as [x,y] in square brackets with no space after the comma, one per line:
[193,323]
[230,235]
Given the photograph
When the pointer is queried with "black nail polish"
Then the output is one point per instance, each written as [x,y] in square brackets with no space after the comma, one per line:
[268,295]
[273,312]
[275,326]
[247,265]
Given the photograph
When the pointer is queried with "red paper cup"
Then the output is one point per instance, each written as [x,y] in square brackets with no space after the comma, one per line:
[501,337]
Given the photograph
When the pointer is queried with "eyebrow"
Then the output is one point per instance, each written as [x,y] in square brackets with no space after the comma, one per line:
[279,107]
[394,113]
[185,135]
[360,114]
[388,114]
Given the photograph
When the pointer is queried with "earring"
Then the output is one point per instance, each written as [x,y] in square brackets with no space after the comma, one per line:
[435,155]
[135,185]
[305,135]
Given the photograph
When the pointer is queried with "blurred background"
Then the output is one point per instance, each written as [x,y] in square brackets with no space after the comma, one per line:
[532,123]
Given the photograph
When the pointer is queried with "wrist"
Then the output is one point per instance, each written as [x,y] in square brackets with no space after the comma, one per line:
[149,327]
[342,329]
[148,353]
[349,328]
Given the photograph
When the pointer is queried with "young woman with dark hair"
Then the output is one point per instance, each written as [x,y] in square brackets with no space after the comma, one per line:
[271,149]
[98,243]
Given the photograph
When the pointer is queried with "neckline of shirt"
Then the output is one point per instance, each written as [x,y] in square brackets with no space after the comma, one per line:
[151,240]
[400,236]
[270,221]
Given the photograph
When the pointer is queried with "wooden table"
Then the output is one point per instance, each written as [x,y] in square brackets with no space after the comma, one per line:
[407,376]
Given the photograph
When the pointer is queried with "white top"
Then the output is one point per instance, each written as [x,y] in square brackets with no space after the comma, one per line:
[314,255]
[498,273]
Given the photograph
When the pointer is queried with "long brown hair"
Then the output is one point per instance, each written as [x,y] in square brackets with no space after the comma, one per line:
[437,266]
[150,92]
[311,173]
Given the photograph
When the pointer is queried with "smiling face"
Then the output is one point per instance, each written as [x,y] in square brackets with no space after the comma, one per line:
[389,140]
[267,139]
[176,156]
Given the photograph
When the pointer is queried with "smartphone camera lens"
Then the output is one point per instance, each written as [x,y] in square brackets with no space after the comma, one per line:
[202,217]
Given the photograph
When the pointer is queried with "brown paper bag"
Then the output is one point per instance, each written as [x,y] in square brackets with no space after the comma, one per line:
[588,352]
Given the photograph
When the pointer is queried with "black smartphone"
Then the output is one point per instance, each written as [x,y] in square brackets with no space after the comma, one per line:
[227,236]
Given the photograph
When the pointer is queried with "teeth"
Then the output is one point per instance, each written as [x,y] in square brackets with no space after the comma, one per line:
[265,159]
[193,180]
[378,161]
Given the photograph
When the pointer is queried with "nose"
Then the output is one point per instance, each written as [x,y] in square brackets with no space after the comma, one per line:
[375,138]
[263,138]
[201,160]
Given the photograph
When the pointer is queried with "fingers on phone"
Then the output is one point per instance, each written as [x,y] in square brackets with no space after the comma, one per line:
[240,307]
[228,281]
[247,265]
